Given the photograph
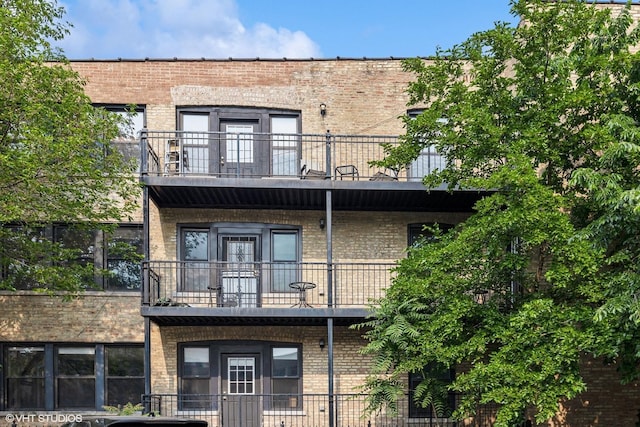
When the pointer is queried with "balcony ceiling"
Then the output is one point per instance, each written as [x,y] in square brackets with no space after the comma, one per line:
[232,193]
[232,316]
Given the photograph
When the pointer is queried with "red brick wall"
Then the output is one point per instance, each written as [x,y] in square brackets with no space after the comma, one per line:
[362,96]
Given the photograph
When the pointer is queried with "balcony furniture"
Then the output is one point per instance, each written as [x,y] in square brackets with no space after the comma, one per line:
[212,290]
[302,287]
[312,173]
[175,159]
[168,302]
[221,299]
[347,171]
[387,175]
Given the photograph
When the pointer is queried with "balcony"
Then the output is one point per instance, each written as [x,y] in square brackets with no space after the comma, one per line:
[305,410]
[176,292]
[281,171]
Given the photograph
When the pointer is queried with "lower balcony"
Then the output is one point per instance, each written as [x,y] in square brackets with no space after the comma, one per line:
[203,291]
[306,410]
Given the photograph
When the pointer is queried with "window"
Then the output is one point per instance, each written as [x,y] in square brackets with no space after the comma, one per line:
[83,242]
[76,377]
[124,246]
[285,377]
[195,143]
[117,253]
[124,375]
[420,232]
[284,257]
[195,252]
[79,239]
[428,160]
[103,260]
[20,249]
[443,400]
[285,146]
[25,374]
[127,141]
[49,377]
[196,377]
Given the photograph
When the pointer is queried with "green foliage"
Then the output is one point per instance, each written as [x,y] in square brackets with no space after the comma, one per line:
[543,117]
[57,161]
[128,409]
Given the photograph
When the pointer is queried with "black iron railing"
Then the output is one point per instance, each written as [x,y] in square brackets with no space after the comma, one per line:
[303,410]
[264,284]
[262,155]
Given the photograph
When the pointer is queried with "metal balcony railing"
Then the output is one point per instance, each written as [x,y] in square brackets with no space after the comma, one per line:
[303,410]
[263,155]
[264,284]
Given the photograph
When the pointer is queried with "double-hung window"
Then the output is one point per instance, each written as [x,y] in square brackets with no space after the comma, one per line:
[284,254]
[284,157]
[196,377]
[123,248]
[24,369]
[285,377]
[76,377]
[428,160]
[124,374]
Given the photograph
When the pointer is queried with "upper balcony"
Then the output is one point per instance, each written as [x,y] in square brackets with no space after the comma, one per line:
[284,171]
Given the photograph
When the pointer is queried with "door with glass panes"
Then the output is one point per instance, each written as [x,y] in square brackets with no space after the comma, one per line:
[239,270]
[243,152]
[241,390]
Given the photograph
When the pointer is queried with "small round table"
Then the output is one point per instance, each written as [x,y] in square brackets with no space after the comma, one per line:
[302,287]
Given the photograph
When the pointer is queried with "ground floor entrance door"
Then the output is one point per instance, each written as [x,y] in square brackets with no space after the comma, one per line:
[241,401]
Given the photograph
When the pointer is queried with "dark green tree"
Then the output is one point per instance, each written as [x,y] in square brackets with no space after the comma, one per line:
[543,118]
[57,161]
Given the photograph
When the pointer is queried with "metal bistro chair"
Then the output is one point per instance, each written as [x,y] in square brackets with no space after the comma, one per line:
[347,171]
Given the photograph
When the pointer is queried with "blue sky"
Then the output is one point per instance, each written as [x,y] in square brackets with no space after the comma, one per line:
[133,29]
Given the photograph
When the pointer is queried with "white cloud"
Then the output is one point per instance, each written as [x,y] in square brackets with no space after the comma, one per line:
[110,29]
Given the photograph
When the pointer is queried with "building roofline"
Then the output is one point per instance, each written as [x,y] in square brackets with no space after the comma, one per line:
[256,59]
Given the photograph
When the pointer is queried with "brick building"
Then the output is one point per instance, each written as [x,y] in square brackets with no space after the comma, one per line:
[266,233]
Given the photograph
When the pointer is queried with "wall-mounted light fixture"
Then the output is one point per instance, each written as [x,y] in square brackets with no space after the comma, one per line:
[322,224]
[321,343]
[323,109]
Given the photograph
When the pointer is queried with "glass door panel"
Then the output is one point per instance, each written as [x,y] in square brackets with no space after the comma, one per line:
[195,144]
[284,150]
[195,254]
[240,270]
[241,151]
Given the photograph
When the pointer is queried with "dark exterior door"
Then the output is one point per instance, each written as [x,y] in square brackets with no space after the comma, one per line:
[241,390]
[243,152]
[240,270]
